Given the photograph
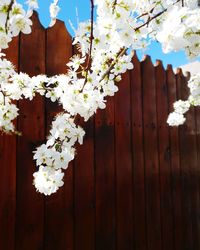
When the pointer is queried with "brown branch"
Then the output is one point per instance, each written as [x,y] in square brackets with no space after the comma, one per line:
[114,5]
[112,65]
[8,15]
[91,42]
[152,18]
[4,96]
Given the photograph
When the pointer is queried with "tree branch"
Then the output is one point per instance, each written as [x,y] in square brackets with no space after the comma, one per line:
[91,42]
[114,5]
[112,65]
[8,15]
[154,17]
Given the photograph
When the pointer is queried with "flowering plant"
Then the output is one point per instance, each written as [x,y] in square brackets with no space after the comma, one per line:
[106,47]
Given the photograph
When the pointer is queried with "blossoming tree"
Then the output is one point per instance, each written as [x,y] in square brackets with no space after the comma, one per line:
[106,47]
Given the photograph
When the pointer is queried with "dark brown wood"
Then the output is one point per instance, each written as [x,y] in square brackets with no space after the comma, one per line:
[84,197]
[84,187]
[105,178]
[164,158]
[185,171]
[151,156]
[197,132]
[59,208]
[175,163]
[139,214]
[30,206]
[123,162]
[8,173]
[188,155]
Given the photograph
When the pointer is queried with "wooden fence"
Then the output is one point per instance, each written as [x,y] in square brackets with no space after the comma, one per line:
[134,183]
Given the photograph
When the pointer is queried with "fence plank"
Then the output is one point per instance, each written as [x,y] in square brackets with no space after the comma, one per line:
[164,157]
[59,222]
[175,163]
[197,172]
[123,159]
[84,191]
[8,172]
[105,178]
[139,215]
[185,172]
[194,165]
[188,155]
[29,214]
[151,156]
[84,186]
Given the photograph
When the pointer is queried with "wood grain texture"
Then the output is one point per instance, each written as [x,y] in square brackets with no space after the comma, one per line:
[175,163]
[105,178]
[139,194]
[30,206]
[164,157]
[151,155]
[59,208]
[84,197]
[188,154]
[8,173]
[123,162]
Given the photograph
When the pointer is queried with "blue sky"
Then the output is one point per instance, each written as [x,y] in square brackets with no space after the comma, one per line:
[68,12]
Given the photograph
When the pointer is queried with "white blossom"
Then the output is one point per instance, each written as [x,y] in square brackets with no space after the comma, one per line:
[175,119]
[181,107]
[47,180]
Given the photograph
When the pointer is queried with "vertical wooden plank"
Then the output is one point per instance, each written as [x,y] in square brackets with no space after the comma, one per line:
[139,214]
[123,159]
[151,156]
[164,157]
[175,164]
[105,177]
[59,207]
[189,165]
[197,172]
[8,172]
[84,191]
[84,187]
[30,206]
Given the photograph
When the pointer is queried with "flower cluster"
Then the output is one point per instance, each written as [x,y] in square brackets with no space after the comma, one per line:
[54,156]
[106,47]
[184,34]
[13,19]
[194,86]
[54,9]
[181,107]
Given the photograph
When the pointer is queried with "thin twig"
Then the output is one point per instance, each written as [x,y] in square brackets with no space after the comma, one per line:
[91,42]
[114,6]
[112,65]
[150,19]
[8,15]
[4,96]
